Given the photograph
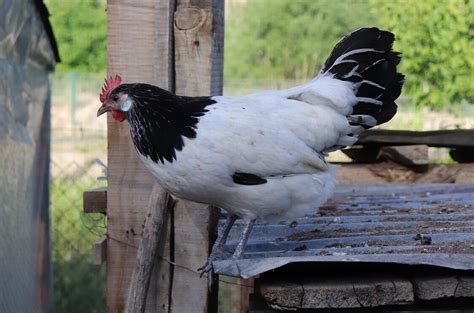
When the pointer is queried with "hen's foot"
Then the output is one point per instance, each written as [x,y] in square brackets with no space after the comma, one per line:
[218,247]
[217,253]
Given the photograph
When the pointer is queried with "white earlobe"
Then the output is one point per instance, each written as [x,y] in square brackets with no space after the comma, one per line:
[127,105]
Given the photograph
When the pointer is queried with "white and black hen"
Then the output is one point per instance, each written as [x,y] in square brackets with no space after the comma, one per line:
[262,156]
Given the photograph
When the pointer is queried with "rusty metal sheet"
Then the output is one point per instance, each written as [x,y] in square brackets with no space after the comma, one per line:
[401,224]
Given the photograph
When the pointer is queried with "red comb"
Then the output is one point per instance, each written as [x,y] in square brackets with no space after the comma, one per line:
[109,85]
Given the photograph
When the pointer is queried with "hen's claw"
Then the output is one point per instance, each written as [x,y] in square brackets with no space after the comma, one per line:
[218,252]
[206,268]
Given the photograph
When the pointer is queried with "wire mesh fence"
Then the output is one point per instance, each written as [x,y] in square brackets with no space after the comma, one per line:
[77,163]
[79,285]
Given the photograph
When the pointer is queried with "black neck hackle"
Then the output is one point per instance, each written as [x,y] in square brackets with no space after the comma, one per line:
[159,119]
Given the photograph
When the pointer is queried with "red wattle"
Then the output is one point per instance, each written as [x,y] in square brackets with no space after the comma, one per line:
[119,116]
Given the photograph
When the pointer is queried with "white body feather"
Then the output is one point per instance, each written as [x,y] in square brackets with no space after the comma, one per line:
[278,138]
[277,135]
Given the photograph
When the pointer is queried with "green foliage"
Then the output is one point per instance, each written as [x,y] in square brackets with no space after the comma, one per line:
[436,39]
[80,30]
[79,285]
[287,38]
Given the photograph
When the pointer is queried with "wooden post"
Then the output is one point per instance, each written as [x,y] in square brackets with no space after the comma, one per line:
[151,239]
[140,50]
[198,43]
[199,46]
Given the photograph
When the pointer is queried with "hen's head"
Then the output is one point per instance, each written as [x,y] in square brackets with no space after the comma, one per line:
[114,100]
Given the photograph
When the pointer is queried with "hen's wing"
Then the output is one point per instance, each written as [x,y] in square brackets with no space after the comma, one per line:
[266,135]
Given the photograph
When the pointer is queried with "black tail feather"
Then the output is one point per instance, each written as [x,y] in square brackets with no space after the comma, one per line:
[365,58]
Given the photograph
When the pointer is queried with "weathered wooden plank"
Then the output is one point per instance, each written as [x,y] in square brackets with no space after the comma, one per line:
[258,305]
[282,295]
[199,46]
[95,200]
[354,292]
[439,138]
[198,38]
[139,37]
[443,286]
[158,207]
[358,294]
[191,249]
[247,287]
[100,250]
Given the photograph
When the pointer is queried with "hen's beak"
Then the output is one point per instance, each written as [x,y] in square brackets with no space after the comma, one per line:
[104,108]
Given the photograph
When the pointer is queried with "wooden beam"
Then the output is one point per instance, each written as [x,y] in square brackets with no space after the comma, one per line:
[356,292]
[199,47]
[247,287]
[95,200]
[409,155]
[443,286]
[198,38]
[139,49]
[100,250]
[439,138]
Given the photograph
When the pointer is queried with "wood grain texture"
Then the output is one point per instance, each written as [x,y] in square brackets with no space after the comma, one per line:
[357,292]
[443,286]
[139,46]
[199,46]
[361,294]
[147,251]
[198,43]
[247,287]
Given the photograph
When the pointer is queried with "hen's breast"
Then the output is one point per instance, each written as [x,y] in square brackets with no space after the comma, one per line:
[281,197]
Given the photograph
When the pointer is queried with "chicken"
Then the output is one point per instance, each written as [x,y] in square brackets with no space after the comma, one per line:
[262,155]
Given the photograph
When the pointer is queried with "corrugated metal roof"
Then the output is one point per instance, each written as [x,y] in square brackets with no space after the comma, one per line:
[402,224]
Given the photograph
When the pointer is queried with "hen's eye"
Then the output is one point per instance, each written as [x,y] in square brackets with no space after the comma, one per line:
[115,97]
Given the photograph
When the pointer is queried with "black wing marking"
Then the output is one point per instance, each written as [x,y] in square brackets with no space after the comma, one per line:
[248,179]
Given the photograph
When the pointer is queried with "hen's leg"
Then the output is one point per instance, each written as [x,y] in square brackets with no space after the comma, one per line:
[221,240]
[218,246]
[239,251]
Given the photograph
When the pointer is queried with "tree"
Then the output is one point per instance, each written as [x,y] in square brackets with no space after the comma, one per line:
[287,38]
[436,39]
[80,30]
